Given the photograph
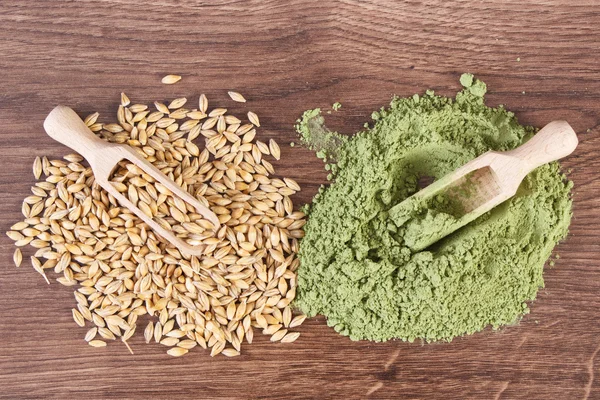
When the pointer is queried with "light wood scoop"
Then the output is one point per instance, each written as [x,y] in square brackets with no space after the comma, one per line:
[478,186]
[65,126]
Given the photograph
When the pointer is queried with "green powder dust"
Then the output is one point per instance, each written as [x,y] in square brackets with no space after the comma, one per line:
[356,268]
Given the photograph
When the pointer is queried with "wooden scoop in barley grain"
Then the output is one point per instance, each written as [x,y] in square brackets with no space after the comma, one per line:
[478,186]
[65,126]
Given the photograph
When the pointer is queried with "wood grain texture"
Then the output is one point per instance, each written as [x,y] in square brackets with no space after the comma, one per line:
[286,57]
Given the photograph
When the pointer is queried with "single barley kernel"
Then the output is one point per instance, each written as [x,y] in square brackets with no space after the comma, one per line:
[235,96]
[170,79]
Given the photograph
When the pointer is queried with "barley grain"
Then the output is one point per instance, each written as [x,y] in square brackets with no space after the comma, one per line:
[230,352]
[37,265]
[37,167]
[177,103]
[217,348]
[78,318]
[187,344]
[290,337]
[274,148]
[277,336]
[125,100]
[287,315]
[170,79]
[235,96]
[91,334]
[149,332]
[297,321]
[253,118]
[105,332]
[203,103]
[292,184]
[17,257]
[91,119]
[177,351]
[157,332]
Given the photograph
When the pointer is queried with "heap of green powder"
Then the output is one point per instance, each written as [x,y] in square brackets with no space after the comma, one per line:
[355,267]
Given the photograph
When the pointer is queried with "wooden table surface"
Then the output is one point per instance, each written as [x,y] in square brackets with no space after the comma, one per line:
[539,58]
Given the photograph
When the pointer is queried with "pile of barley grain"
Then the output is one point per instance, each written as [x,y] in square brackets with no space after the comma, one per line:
[246,277]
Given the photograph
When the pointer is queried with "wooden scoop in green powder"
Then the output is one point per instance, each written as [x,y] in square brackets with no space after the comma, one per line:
[478,186]
[355,265]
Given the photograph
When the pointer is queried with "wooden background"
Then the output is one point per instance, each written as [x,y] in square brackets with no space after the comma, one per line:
[286,57]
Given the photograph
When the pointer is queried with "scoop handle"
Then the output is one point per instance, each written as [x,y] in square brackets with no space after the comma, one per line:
[64,125]
[553,142]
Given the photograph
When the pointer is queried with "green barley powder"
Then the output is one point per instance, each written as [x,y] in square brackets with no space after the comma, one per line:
[355,267]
